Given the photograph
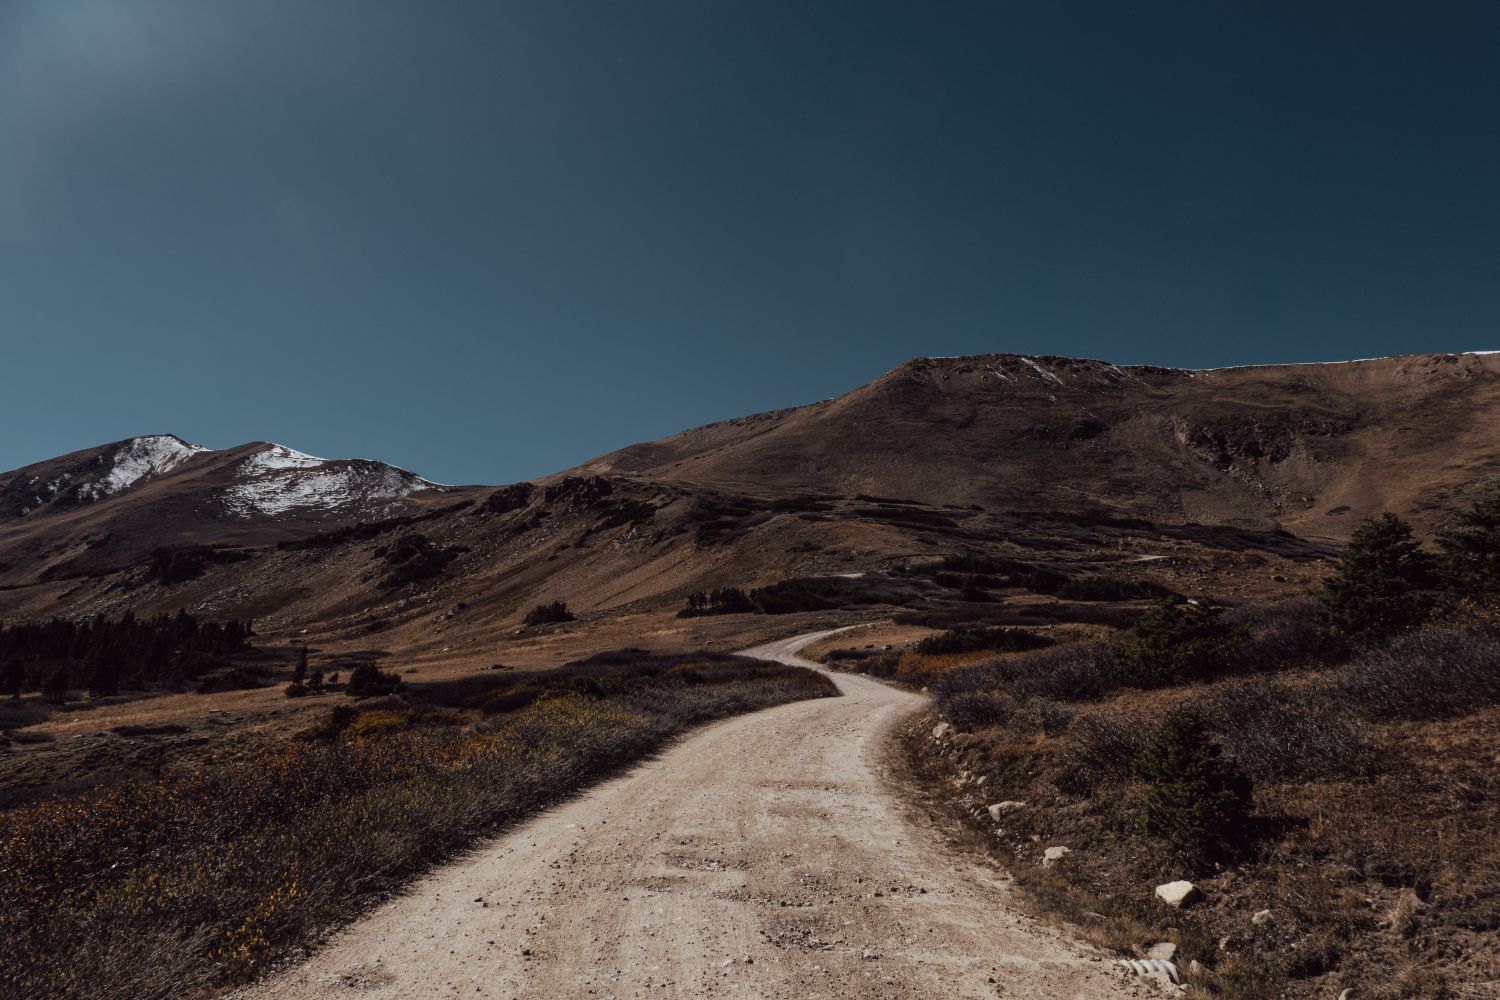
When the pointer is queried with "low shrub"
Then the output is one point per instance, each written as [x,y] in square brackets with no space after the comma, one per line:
[547,614]
[1281,636]
[1101,747]
[1074,672]
[243,678]
[1441,673]
[1277,733]
[850,655]
[978,708]
[369,681]
[875,663]
[974,640]
[1109,588]
[1044,715]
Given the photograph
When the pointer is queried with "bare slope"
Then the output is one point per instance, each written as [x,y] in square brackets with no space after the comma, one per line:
[1310,447]
[1081,465]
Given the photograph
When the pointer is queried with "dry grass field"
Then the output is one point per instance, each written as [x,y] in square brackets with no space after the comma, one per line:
[201,878]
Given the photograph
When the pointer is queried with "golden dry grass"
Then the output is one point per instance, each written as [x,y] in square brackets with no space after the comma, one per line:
[174,887]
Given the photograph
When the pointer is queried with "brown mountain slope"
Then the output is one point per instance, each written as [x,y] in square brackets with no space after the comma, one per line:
[108,507]
[1186,479]
[1312,448]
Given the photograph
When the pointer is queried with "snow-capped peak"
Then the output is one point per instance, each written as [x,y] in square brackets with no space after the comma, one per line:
[139,458]
[278,480]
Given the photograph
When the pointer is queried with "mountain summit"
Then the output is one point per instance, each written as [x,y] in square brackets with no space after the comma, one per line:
[1306,447]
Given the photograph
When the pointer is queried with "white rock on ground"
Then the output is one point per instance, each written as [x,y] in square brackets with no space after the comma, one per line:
[1000,808]
[1179,894]
[940,730]
[1053,855]
[1262,917]
[1165,951]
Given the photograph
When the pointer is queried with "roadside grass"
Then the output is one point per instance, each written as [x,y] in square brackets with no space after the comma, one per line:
[203,880]
[1372,839]
[936,655]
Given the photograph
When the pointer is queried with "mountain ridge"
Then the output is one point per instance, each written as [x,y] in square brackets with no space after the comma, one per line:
[1228,480]
[1226,434]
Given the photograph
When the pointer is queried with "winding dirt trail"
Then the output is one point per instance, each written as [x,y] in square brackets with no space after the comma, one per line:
[761,857]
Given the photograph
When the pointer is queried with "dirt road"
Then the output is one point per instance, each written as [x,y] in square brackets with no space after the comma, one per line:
[761,857]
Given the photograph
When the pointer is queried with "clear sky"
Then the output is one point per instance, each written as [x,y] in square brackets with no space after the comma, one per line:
[488,240]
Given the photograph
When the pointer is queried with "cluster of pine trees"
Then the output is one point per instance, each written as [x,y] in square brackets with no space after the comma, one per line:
[1387,582]
[724,601]
[106,655]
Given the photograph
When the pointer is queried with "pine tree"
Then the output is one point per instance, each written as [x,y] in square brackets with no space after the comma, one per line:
[1469,559]
[1383,583]
[300,673]
[55,685]
[1197,799]
[12,678]
[1174,642]
[104,677]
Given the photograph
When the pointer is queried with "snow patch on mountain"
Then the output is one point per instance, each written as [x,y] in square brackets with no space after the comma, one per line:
[138,459]
[279,480]
[1044,373]
[278,457]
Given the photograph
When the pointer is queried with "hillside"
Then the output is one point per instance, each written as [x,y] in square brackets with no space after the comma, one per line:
[1311,448]
[1000,531]
[108,507]
[1233,481]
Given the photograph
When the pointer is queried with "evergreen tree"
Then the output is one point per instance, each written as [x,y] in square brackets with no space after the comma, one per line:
[103,677]
[300,673]
[55,685]
[1197,799]
[1176,641]
[1469,558]
[1383,582]
[12,677]
[142,651]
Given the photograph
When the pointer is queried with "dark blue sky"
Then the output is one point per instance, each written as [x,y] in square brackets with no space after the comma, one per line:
[489,240]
